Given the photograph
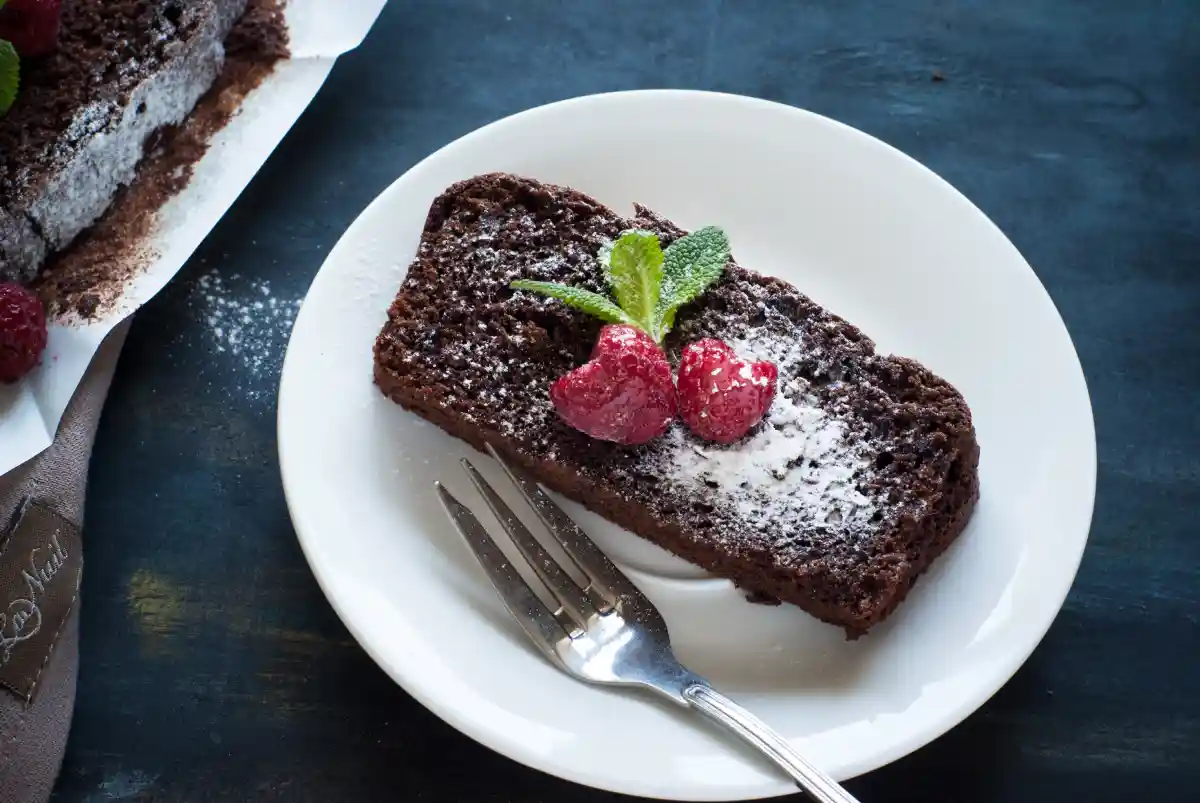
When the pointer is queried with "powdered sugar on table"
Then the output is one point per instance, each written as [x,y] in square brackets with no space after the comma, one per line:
[246,321]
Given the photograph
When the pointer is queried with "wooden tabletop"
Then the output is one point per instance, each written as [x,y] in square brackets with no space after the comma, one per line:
[213,669]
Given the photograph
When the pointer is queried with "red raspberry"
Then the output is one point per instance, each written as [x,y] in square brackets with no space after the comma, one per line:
[624,394]
[31,26]
[722,396]
[22,332]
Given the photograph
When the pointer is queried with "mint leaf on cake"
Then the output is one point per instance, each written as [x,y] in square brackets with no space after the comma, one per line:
[593,304]
[10,74]
[626,393]
[633,266]
[649,284]
[691,265]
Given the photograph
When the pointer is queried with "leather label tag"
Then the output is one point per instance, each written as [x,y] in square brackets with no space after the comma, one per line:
[41,564]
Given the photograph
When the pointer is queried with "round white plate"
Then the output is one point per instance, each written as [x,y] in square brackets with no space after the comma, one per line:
[857,226]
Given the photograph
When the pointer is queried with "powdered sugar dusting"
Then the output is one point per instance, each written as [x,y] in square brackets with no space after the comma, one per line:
[796,481]
[247,322]
[796,468]
[784,350]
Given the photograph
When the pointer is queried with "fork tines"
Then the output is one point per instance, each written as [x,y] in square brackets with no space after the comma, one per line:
[606,585]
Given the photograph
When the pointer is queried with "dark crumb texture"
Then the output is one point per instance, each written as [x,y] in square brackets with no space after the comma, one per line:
[96,37]
[861,474]
[105,47]
[89,276]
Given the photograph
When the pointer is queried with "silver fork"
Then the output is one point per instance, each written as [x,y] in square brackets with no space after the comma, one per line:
[606,632]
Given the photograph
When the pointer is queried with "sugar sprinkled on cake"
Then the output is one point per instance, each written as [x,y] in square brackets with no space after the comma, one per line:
[797,467]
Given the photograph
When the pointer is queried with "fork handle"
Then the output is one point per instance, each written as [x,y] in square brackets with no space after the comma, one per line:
[753,730]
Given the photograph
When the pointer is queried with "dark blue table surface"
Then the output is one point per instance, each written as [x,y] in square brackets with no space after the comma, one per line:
[214,669]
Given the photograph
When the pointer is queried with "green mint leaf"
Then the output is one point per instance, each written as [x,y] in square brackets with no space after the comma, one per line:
[592,303]
[10,74]
[633,266]
[690,265]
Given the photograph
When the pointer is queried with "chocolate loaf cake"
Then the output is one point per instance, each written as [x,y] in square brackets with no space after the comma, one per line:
[123,70]
[862,472]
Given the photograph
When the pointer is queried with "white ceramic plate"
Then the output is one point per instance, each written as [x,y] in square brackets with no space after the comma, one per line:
[857,226]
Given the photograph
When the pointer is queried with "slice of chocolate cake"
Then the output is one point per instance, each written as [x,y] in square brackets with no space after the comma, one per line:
[861,473]
[122,70]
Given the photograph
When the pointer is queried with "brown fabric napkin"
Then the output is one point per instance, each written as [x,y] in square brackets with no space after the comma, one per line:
[41,562]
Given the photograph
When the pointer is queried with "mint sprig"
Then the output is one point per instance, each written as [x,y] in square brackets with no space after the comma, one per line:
[690,265]
[650,285]
[591,303]
[10,74]
[633,266]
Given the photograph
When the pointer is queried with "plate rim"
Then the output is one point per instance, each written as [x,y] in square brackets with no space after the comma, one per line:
[453,715]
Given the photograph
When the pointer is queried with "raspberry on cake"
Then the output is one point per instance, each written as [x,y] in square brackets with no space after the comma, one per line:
[624,393]
[721,395]
[861,471]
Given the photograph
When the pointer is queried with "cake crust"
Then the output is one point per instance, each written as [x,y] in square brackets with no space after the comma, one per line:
[863,472]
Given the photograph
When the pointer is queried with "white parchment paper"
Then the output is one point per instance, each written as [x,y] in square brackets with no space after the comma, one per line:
[320,31]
